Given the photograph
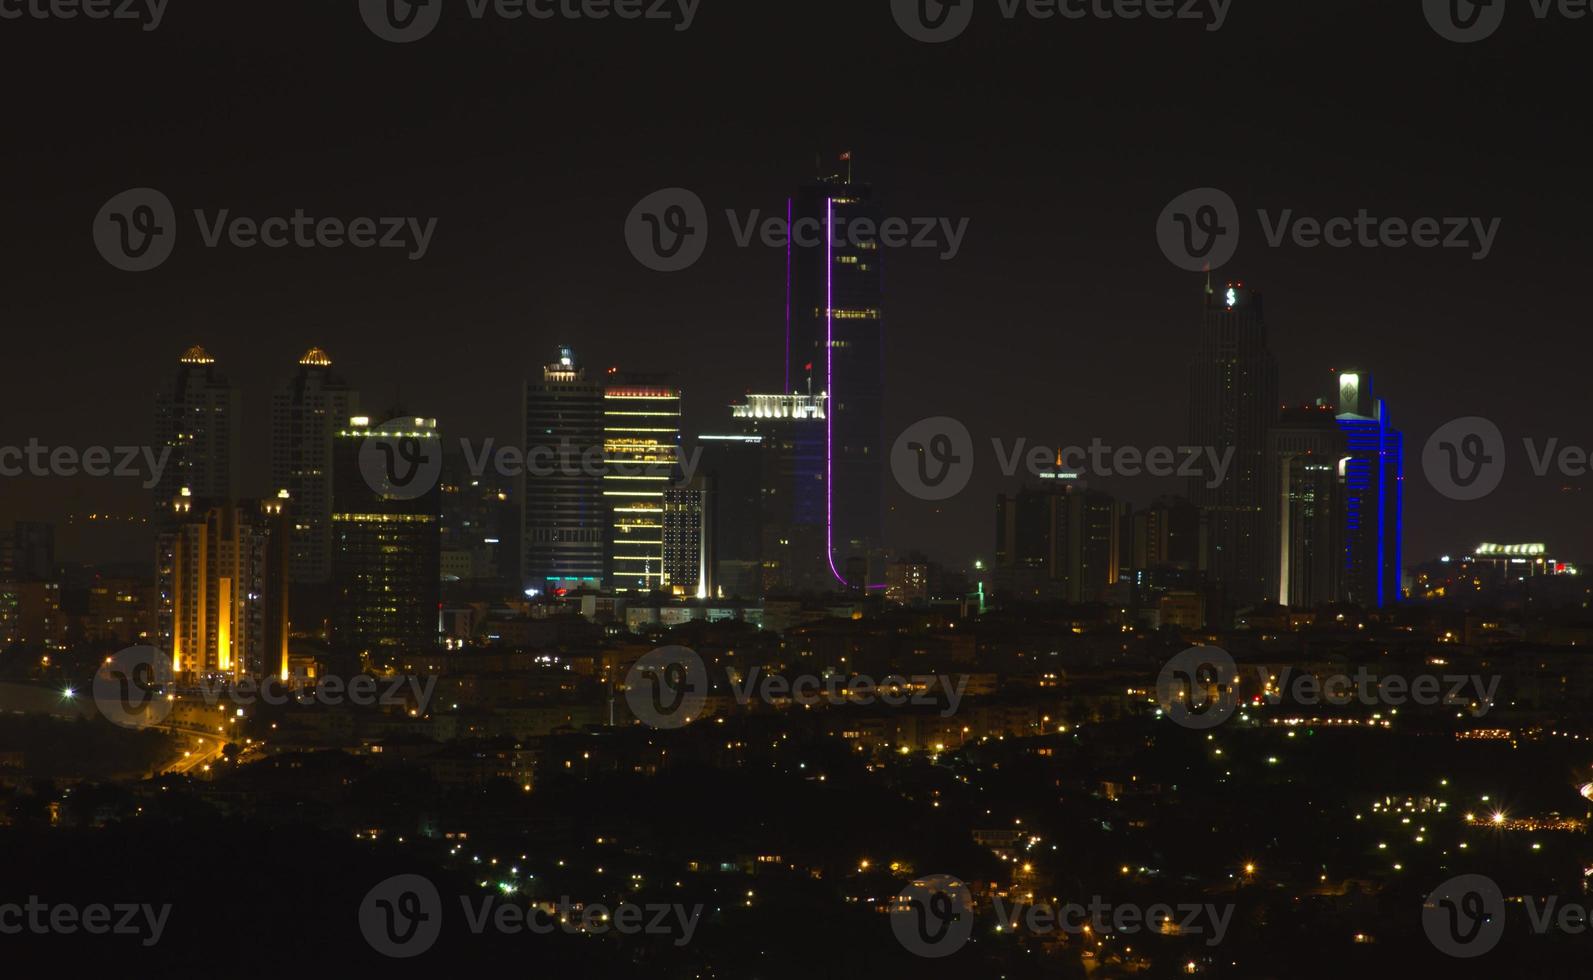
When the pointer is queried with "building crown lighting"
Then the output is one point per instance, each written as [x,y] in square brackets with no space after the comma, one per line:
[197,355]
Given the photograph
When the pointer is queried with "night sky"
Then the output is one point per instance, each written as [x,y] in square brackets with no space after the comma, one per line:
[1059,141]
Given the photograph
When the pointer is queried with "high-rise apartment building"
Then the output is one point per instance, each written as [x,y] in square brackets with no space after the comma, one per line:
[688,539]
[305,412]
[222,588]
[198,416]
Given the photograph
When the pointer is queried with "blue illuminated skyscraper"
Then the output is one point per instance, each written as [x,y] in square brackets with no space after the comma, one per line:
[1373,474]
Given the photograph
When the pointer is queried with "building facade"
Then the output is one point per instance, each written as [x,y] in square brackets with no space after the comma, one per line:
[198,418]
[565,520]
[641,454]
[305,413]
[835,346]
[386,548]
[222,588]
[1373,472]
[1307,535]
[1233,405]
[1059,541]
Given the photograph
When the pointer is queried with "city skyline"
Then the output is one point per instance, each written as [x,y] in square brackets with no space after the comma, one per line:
[612,483]
[1059,259]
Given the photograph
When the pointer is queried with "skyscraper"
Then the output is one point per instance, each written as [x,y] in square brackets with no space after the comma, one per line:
[1307,535]
[305,412]
[688,539]
[733,464]
[1058,541]
[1166,535]
[32,547]
[835,346]
[791,437]
[222,588]
[1233,404]
[1374,495]
[198,418]
[386,548]
[641,452]
[564,516]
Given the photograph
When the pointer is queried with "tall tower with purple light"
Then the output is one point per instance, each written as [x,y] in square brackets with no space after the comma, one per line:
[835,346]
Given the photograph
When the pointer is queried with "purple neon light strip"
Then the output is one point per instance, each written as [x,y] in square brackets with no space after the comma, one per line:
[829,393]
[788,388]
[829,390]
